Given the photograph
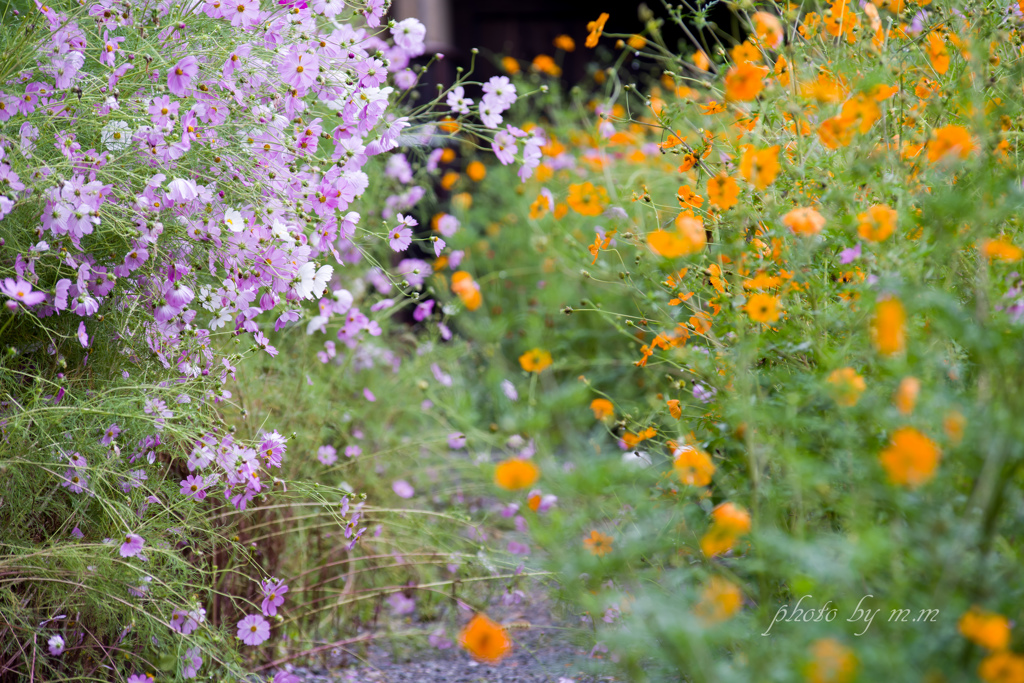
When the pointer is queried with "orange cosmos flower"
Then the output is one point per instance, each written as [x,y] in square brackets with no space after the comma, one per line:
[540,207]
[719,600]
[598,544]
[831,662]
[768,29]
[1002,667]
[745,52]
[950,140]
[835,132]
[906,395]
[688,238]
[485,640]
[723,192]
[701,60]
[745,81]
[877,223]
[565,43]
[911,458]
[687,197]
[841,19]
[762,308]
[476,171]
[861,111]
[847,386]
[888,328]
[693,466]
[730,522]
[586,199]
[632,439]
[674,409]
[732,518]
[1002,251]
[535,360]
[760,166]
[782,71]
[804,221]
[938,53]
[467,290]
[987,629]
[515,474]
[595,28]
[954,424]
[547,65]
[449,179]
[637,42]
[602,408]
[510,65]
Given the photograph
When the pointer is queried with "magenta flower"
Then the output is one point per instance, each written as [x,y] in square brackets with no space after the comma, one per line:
[56,645]
[110,434]
[253,629]
[180,76]
[242,12]
[400,238]
[328,455]
[403,489]
[192,486]
[190,663]
[83,338]
[273,596]
[299,69]
[21,291]
[132,545]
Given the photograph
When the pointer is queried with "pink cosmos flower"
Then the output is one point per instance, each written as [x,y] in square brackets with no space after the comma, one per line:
[299,69]
[192,486]
[242,12]
[180,76]
[439,245]
[328,455]
[110,434]
[190,663]
[273,596]
[401,605]
[56,645]
[83,338]
[253,629]
[132,545]
[403,489]
[182,191]
[400,238]
[21,291]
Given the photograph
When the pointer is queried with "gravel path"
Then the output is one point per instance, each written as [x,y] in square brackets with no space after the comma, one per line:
[541,654]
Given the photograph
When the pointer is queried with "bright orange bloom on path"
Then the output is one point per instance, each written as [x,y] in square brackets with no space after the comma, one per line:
[515,473]
[485,640]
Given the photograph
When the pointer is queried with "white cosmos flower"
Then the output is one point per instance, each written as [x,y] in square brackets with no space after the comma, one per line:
[233,219]
[116,135]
